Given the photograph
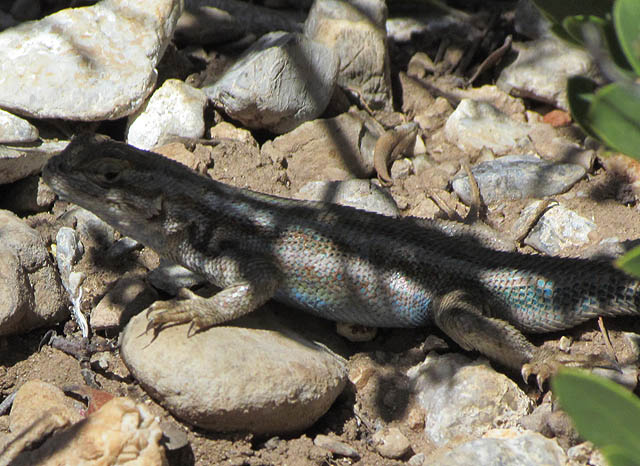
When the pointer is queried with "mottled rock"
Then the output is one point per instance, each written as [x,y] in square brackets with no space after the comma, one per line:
[518,177]
[17,163]
[463,398]
[113,67]
[31,294]
[355,31]
[475,125]
[283,80]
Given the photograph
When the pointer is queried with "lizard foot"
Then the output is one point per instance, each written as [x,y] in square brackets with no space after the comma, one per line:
[546,363]
[180,310]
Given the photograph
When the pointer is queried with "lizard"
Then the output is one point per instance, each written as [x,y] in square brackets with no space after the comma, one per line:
[337,262]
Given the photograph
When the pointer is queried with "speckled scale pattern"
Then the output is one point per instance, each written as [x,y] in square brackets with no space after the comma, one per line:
[338,262]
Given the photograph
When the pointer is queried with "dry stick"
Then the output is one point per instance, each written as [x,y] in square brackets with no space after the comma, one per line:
[607,340]
[492,59]
[531,222]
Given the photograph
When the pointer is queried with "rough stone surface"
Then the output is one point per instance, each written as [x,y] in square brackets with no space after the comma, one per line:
[31,294]
[542,68]
[476,124]
[175,110]
[518,177]
[356,32]
[17,163]
[361,194]
[16,129]
[462,398]
[110,49]
[327,150]
[557,229]
[120,433]
[528,449]
[254,375]
[283,80]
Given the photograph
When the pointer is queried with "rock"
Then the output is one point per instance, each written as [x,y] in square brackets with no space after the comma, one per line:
[361,194]
[529,21]
[559,228]
[224,21]
[17,163]
[113,67]
[27,195]
[37,400]
[15,129]
[224,130]
[175,110]
[281,81]
[325,150]
[120,433]
[355,31]
[528,449]
[127,297]
[542,68]
[335,446]
[254,374]
[464,398]
[31,294]
[475,125]
[391,443]
[518,177]
[170,277]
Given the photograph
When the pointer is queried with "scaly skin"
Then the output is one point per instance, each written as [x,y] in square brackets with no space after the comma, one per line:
[337,262]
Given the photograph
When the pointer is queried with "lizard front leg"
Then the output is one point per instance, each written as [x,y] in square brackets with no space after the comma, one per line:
[246,282]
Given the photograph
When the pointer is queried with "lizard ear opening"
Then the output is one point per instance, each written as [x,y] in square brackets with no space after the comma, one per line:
[107,170]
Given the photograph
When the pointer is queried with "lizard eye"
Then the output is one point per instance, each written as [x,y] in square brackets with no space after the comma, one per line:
[109,170]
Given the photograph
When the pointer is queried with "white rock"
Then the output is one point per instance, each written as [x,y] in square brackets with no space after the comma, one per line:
[91,63]
[174,110]
[475,124]
[16,129]
[464,398]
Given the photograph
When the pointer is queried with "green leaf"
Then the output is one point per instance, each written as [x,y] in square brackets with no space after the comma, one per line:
[630,262]
[580,95]
[602,411]
[614,116]
[557,10]
[617,456]
[626,16]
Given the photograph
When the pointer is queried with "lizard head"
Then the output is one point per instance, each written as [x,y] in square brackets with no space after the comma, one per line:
[125,186]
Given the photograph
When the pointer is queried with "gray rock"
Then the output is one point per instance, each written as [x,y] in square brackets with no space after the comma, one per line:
[31,294]
[361,194]
[476,124]
[17,163]
[355,31]
[90,226]
[557,229]
[542,68]
[465,398]
[283,80]
[16,129]
[254,374]
[518,177]
[170,277]
[528,449]
[113,67]
[154,125]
